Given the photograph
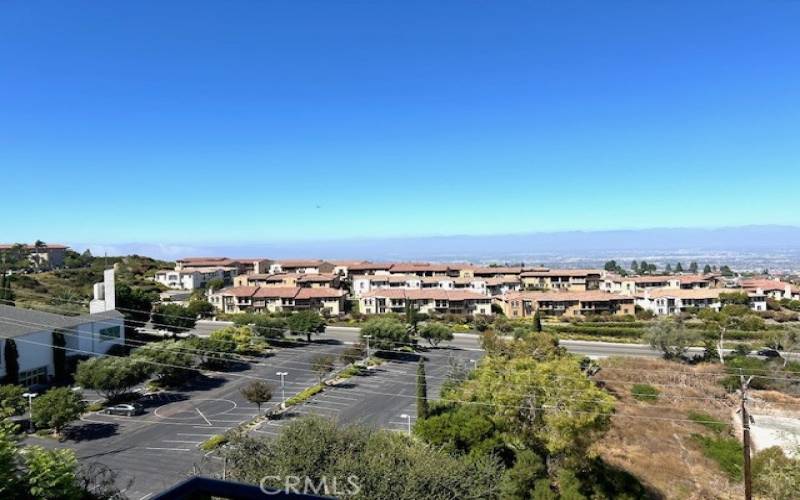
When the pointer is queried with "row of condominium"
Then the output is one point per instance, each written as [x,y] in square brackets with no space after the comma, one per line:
[266,285]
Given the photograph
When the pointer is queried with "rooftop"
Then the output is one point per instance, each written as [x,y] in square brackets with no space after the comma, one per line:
[16,321]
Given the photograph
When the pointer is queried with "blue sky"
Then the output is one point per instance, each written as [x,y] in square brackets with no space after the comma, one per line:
[180,122]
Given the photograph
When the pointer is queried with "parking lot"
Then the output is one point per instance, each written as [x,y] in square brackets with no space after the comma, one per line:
[152,451]
[381,396]
[158,448]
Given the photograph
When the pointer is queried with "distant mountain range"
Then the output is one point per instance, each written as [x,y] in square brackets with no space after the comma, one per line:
[782,242]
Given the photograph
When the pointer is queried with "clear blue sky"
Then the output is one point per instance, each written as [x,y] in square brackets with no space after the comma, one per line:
[195,121]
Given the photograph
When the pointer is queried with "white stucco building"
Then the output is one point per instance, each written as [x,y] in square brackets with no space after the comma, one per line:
[32,333]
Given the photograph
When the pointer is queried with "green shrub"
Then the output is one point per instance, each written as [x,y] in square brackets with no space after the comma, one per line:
[707,421]
[350,371]
[724,450]
[303,395]
[645,392]
[213,442]
[96,406]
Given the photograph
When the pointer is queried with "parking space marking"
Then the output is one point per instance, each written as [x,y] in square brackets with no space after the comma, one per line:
[194,434]
[168,449]
[181,442]
[336,396]
[327,402]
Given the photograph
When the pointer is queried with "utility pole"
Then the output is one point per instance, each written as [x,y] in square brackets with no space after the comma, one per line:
[748,479]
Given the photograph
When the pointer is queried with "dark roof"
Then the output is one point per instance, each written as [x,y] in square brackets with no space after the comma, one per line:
[15,321]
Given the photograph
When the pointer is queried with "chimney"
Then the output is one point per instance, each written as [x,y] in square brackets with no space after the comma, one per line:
[104,294]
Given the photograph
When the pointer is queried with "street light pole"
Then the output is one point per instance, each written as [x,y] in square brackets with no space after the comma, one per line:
[30,396]
[408,419]
[283,387]
[367,337]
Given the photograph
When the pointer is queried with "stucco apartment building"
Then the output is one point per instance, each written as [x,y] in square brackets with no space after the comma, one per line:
[302,266]
[572,280]
[631,285]
[194,278]
[242,265]
[773,288]
[563,303]
[487,286]
[327,301]
[47,256]
[428,301]
[310,280]
[673,301]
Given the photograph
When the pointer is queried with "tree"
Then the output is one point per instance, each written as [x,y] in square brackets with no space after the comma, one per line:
[134,303]
[12,401]
[173,317]
[678,267]
[412,318]
[168,360]
[199,308]
[32,472]
[383,464]
[11,357]
[670,337]
[564,417]
[215,284]
[668,268]
[6,294]
[435,333]
[306,323]
[610,265]
[385,332]
[59,355]
[238,339]
[693,267]
[322,364]
[56,408]
[257,392]
[537,321]
[635,267]
[644,267]
[521,480]
[726,272]
[112,376]
[422,391]
[707,269]
[355,352]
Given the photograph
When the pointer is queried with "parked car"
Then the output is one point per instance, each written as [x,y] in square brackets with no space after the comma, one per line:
[769,353]
[127,410]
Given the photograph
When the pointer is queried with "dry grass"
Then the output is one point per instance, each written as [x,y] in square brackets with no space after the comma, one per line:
[653,439]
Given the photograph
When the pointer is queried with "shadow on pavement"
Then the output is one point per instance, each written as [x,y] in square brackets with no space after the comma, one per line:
[90,431]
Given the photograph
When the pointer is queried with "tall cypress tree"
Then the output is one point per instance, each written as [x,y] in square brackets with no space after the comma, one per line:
[6,295]
[11,357]
[422,391]
[537,321]
[59,355]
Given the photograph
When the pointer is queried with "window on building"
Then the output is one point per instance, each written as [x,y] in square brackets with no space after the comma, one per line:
[111,333]
[33,377]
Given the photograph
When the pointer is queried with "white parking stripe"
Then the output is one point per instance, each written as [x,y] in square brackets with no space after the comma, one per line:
[192,434]
[181,442]
[311,403]
[344,398]
[169,449]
